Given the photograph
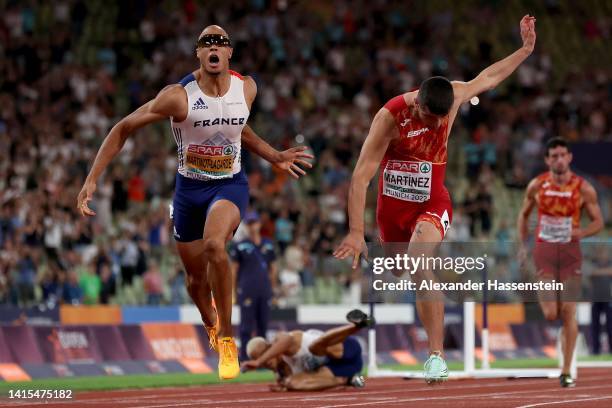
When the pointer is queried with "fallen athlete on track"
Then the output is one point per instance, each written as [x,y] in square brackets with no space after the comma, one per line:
[312,360]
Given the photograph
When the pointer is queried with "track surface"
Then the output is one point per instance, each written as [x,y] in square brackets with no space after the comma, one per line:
[593,390]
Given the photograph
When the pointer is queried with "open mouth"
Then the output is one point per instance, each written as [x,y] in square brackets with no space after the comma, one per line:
[213,59]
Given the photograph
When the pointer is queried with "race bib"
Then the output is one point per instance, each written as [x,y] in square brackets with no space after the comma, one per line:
[407,180]
[555,229]
[211,161]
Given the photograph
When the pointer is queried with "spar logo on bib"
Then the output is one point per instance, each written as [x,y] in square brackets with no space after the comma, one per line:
[211,161]
[227,150]
[410,167]
[407,180]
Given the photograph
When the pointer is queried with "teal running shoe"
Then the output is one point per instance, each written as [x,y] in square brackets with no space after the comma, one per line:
[435,369]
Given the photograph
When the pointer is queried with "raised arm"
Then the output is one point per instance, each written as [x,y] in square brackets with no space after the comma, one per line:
[496,73]
[170,102]
[591,206]
[382,132]
[287,160]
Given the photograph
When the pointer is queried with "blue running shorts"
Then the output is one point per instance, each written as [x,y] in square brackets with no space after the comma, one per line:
[351,361]
[194,198]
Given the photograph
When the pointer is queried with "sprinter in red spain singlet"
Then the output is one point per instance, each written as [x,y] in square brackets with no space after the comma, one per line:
[411,178]
[560,196]
[408,141]
[559,210]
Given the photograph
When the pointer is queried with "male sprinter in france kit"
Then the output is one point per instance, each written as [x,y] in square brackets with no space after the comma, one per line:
[408,142]
[208,112]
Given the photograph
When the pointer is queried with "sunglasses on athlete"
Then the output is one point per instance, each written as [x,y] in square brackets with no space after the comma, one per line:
[209,40]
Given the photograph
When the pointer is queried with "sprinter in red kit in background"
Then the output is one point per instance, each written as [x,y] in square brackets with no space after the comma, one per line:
[560,196]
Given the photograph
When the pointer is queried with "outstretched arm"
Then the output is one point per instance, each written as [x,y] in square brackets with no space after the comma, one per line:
[383,130]
[496,73]
[170,102]
[591,206]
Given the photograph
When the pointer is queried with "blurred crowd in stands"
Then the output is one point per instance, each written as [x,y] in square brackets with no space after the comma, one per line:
[70,69]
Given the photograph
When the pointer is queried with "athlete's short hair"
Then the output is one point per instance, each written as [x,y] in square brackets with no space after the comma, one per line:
[556,142]
[437,94]
[254,344]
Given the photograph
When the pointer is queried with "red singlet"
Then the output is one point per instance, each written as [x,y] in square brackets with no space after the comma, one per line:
[556,254]
[411,183]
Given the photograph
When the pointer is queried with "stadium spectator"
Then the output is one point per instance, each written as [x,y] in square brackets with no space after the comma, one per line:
[292,277]
[178,293]
[478,207]
[108,284]
[72,293]
[283,229]
[290,288]
[153,284]
[459,230]
[91,286]
[130,255]
[26,270]
[50,288]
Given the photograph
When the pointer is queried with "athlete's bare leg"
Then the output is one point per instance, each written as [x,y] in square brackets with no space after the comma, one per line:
[196,279]
[330,343]
[570,333]
[549,300]
[566,311]
[424,241]
[222,219]
[550,310]
[322,379]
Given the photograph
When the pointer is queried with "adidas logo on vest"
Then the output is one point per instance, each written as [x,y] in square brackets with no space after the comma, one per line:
[199,104]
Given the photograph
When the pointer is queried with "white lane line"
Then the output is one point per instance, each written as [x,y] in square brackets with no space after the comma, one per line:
[135,399]
[252,388]
[540,404]
[470,396]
